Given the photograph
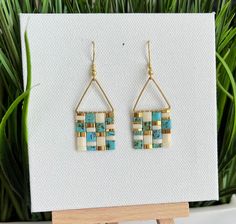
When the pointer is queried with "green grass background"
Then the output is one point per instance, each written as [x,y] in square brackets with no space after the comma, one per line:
[14,174]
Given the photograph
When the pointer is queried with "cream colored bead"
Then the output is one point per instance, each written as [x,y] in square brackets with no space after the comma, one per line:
[165,115]
[81,143]
[157,141]
[147,139]
[100,117]
[147,116]
[101,141]
[156,127]
[166,139]
[91,143]
[93,129]
[110,126]
[138,137]
[80,117]
[137,126]
[110,138]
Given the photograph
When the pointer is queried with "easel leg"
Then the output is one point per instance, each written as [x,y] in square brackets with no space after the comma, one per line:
[165,221]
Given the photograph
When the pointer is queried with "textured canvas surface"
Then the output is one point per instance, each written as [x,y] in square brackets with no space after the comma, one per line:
[183,50]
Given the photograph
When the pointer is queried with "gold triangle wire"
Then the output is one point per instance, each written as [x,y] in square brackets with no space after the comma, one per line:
[95,81]
[101,89]
[144,87]
[150,73]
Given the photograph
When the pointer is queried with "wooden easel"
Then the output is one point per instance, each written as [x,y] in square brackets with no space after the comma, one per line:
[163,213]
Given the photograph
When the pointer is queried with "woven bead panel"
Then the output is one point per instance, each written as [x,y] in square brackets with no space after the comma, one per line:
[151,129]
[95,131]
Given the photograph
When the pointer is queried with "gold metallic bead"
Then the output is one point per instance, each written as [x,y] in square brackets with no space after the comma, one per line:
[81,134]
[80,113]
[166,118]
[165,111]
[166,131]
[110,130]
[138,114]
[101,148]
[100,134]
[149,132]
[90,125]
[137,129]
[80,121]
[110,114]
[137,122]
[156,123]
[147,146]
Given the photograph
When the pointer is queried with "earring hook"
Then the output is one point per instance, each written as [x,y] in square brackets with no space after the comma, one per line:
[150,73]
[94,72]
[93,59]
[94,80]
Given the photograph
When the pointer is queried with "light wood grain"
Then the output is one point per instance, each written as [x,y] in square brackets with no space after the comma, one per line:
[162,212]
[166,221]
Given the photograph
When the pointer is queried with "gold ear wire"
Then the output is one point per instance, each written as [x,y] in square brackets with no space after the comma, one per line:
[93,58]
[94,72]
[150,73]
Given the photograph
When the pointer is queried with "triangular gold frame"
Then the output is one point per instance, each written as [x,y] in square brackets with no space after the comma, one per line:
[160,90]
[94,80]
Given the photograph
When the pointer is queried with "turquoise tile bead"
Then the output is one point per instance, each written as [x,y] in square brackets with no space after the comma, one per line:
[138,132]
[91,137]
[90,118]
[166,124]
[156,134]
[110,145]
[147,126]
[91,148]
[110,133]
[156,116]
[80,127]
[137,119]
[138,144]
[109,120]
[100,127]
[154,146]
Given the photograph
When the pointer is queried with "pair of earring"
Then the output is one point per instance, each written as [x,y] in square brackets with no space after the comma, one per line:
[95,131]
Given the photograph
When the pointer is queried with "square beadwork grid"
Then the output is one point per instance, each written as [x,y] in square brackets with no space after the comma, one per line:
[151,129]
[95,131]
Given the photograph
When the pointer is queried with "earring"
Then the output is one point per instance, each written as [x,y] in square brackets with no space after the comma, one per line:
[151,128]
[95,130]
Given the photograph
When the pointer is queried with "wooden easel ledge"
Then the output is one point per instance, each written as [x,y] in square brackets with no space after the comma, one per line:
[164,213]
